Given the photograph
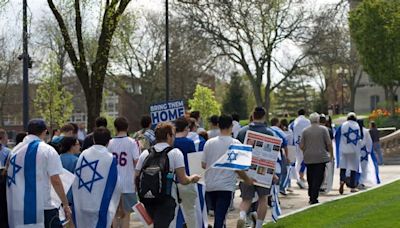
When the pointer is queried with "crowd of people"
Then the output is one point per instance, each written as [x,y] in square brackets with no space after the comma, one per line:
[110,175]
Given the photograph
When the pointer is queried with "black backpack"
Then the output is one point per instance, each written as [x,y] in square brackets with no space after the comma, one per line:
[153,184]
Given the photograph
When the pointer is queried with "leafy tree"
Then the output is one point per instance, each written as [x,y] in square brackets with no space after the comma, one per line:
[204,101]
[53,102]
[235,98]
[374,27]
[248,33]
[91,74]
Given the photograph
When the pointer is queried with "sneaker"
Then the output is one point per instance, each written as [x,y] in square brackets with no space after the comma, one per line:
[361,187]
[241,223]
[341,188]
[353,190]
[289,190]
[283,192]
[301,184]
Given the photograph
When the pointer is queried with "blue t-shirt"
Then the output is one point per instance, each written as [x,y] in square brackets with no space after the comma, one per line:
[69,163]
[257,127]
[186,146]
[4,153]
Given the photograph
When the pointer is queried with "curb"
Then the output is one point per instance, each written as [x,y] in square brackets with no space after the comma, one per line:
[338,198]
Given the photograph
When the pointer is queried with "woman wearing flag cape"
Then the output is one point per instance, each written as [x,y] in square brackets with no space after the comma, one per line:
[348,144]
[369,175]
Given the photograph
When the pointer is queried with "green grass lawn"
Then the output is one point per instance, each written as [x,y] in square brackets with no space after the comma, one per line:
[376,208]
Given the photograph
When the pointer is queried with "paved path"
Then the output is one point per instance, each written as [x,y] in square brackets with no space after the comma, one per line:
[299,199]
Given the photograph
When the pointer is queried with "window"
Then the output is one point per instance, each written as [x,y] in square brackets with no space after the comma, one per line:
[374,102]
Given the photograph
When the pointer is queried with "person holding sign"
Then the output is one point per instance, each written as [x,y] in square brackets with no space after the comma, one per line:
[316,145]
[220,183]
[248,191]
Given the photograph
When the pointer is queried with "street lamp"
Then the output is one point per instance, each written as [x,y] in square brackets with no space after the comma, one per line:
[166,52]
[27,63]
[342,74]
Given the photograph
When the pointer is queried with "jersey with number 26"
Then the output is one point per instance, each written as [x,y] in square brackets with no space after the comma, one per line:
[125,150]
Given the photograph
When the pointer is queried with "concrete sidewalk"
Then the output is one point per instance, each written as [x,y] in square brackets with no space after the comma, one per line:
[299,198]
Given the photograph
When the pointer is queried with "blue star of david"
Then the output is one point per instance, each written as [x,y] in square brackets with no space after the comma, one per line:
[15,169]
[364,158]
[95,176]
[350,132]
[232,156]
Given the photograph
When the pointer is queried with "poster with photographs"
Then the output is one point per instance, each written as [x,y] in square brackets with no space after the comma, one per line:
[266,150]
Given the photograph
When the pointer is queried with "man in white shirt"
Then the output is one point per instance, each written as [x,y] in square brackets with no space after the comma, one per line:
[96,189]
[33,168]
[297,127]
[163,212]
[220,183]
[214,130]
[236,125]
[126,152]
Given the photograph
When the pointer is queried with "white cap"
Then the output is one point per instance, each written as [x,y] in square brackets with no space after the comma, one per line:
[351,114]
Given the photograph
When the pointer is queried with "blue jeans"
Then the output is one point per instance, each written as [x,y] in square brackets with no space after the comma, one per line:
[220,201]
[378,152]
[284,172]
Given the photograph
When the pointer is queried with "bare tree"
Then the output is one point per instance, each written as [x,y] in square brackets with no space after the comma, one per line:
[91,75]
[9,67]
[249,33]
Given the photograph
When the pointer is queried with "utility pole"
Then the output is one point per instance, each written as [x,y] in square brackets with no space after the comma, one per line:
[26,64]
[166,53]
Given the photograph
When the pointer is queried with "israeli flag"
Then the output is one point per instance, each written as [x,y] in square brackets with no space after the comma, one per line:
[96,191]
[369,175]
[287,178]
[347,139]
[25,200]
[238,157]
[276,208]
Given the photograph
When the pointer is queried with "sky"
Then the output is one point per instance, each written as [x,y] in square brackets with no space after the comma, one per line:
[11,16]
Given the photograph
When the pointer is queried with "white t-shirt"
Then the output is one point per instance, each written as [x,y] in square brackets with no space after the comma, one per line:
[48,163]
[213,133]
[236,128]
[125,150]
[218,179]
[175,157]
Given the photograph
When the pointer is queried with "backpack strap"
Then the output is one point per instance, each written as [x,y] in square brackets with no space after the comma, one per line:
[165,153]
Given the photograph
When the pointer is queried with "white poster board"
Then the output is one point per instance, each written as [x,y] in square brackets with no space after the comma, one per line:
[266,150]
[163,112]
[194,161]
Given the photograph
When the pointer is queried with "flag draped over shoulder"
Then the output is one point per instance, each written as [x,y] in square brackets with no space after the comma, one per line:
[26,203]
[96,191]
[347,139]
[369,168]
[238,157]
[276,208]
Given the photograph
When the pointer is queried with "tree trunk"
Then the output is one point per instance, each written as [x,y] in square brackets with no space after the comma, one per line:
[267,102]
[353,92]
[392,101]
[386,89]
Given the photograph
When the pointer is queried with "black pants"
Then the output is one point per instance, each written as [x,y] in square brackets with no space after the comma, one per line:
[315,177]
[3,201]
[220,201]
[162,213]
[352,183]
[51,219]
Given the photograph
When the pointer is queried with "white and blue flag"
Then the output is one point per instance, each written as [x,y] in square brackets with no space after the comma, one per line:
[96,189]
[238,157]
[25,200]
[369,174]
[276,208]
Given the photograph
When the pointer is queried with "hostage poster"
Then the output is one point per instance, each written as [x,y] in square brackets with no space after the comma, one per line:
[266,150]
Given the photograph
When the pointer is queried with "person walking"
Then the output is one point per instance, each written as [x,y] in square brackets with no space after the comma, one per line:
[168,163]
[348,144]
[221,183]
[374,132]
[297,127]
[126,151]
[317,148]
[33,168]
[248,191]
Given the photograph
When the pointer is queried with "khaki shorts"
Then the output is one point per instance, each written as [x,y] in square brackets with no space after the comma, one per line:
[248,191]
